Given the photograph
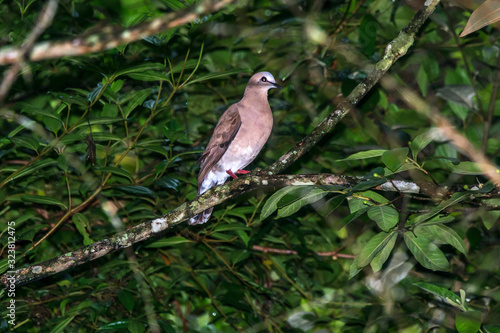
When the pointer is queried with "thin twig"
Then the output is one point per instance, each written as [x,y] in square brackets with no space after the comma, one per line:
[333,254]
[18,59]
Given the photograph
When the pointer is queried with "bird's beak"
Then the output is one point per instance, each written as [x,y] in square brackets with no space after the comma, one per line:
[276,85]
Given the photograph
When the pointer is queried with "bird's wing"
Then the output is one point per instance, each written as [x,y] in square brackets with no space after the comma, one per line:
[223,135]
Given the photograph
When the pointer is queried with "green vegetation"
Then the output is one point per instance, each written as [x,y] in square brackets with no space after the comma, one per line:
[94,144]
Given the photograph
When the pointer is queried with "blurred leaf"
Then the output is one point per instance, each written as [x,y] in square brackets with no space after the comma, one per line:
[487,13]
[135,99]
[468,322]
[426,253]
[326,208]
[459,94]
[135,326]
[395,158]
[27,142]
[116,171]
[141,68]
[82,224]
[136,189]
[216,75]
[169,241]
[490,217]
[44,200]
[61,325]
[127,299]
[364,155]
[421,141]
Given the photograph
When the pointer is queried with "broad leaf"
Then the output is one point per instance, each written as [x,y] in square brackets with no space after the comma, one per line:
[374,246]
[441,234]
[271,204]
[44,200]
[379,260]
[487,13]
[386,217]
[426,253]
[395,158]
[313,196]
[438,291]
[364,155]
[468,322]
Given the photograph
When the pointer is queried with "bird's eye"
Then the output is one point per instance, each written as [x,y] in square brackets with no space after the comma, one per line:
[263,79]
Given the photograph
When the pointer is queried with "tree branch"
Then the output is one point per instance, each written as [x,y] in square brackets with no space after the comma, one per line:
[111,36]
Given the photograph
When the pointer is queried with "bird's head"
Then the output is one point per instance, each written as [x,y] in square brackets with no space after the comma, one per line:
[263,80]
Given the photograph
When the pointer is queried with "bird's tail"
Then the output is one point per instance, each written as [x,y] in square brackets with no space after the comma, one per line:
[202,217]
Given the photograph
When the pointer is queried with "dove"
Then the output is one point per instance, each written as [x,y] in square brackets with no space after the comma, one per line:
[237,139]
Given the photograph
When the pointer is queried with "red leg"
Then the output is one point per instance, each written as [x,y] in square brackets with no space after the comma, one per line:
[242,172]
[229,172]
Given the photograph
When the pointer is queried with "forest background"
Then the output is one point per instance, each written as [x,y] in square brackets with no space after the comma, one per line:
[377,209]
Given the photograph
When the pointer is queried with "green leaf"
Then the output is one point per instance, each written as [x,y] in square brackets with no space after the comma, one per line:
[351,217]
[313,196]
[216,75]
[33,110]
[374,246]
[386,217]
[141,68]
[136,98]
[116,171]
[379,260]
[40,199]
[426,253]
[116,325]
[455,198]
[364,155]
[150,76]
[271,204]
[468,322]
[329,206]
[103,136]
[136,189]
[421,141]
[353,269]
[127,299]
[99,121]
[239,256]
[135,326]
[169,242]
[82,224]
[438,291]
[26,142]
[367,184]
[422,80]
[442,234]
[490,217]
[395,158]
[61,325]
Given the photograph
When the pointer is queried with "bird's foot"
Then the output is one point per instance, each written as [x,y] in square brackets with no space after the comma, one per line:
[229,172]
[242,172]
